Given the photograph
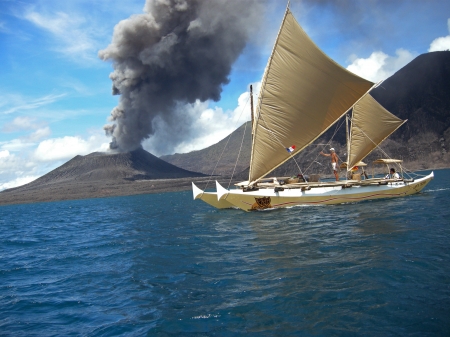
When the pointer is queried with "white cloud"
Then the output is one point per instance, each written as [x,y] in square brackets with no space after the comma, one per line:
[441,43]
[379,66]
[4,154]
[6,157]
[20,123]
[75,35]
[12,170]
[22,161]
[68,147]
[16,145]
[14,103]
[19,181]
[39,134]
[211,125]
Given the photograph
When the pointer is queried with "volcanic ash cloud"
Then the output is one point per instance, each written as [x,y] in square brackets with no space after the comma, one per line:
[176,52]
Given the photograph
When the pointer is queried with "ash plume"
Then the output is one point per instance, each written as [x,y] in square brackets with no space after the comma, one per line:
[175,53]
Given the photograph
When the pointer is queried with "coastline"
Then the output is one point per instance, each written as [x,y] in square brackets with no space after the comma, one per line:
[76,190]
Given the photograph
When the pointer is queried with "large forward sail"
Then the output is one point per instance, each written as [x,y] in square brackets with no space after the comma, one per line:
[303,93]
[371,124]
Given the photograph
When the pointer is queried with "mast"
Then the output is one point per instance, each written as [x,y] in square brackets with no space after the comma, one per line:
[251,105]
[347,135]
[303,93]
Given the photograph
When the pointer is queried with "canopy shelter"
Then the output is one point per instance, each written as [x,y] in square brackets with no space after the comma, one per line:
[388,161]
[358,164]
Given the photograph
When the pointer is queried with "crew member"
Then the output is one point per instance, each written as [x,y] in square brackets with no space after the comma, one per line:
[334,161]
[392,174]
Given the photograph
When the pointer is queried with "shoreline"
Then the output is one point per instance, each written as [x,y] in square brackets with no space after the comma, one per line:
[74,190]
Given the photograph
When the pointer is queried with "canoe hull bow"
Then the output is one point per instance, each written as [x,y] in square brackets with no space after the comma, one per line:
[268,198]
[210,198]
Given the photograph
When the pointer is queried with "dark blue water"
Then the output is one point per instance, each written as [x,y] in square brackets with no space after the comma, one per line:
[164,265]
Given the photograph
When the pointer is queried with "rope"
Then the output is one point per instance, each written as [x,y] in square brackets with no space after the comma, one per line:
[226,144]
[403,169]
[337,128]
[239,154]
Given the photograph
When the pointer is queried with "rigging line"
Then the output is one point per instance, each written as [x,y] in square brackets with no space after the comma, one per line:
[379,148]
[239,154]
[264,84]
[226,144]
[338,126]
[376,145]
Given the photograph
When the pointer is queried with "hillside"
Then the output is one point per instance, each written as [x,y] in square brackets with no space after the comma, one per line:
[227,150]
[418,92]
[134,165]
[104,174]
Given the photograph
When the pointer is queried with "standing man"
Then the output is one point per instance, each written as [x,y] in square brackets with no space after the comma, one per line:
[334,161]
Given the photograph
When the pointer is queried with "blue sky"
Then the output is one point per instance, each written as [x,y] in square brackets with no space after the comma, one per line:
[55,92]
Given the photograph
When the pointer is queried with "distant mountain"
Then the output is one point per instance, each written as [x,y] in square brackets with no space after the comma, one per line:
[226,150]
[104,174]
[419,92]
[102,166]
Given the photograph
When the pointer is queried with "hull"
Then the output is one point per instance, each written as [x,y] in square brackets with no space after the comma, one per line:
[210,198]
[268,198]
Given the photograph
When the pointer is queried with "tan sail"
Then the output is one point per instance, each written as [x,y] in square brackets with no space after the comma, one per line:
[371,124]
[303,93]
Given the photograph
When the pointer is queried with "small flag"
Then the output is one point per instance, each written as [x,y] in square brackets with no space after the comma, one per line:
[291,149]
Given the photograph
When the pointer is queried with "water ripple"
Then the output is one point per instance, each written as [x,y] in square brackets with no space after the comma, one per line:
[165,265]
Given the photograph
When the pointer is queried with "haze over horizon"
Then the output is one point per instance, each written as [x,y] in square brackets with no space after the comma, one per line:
[56,92]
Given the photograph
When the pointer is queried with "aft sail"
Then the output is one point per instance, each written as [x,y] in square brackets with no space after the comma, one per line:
[370,125]
[303,93]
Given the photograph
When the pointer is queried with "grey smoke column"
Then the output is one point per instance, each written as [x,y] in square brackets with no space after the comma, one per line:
[178,51]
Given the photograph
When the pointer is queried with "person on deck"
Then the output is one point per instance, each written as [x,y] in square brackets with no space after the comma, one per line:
[334,161]
[392,174]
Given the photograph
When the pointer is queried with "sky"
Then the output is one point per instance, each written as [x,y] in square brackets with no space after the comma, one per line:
[56,94]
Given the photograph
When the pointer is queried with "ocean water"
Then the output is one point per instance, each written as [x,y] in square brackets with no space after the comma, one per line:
[165,265]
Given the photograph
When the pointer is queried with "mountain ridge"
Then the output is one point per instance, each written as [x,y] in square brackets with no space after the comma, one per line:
[417,92]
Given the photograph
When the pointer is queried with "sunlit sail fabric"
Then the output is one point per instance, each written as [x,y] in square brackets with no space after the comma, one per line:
[371,124]
[303,93]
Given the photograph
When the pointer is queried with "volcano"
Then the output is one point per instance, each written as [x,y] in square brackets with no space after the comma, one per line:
[104,174]
[134,165]
[419,92]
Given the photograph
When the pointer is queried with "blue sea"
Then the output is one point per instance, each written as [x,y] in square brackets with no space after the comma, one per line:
[165,265]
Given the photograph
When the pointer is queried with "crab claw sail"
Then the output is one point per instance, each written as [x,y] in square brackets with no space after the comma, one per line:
[371,124]
[303,93]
